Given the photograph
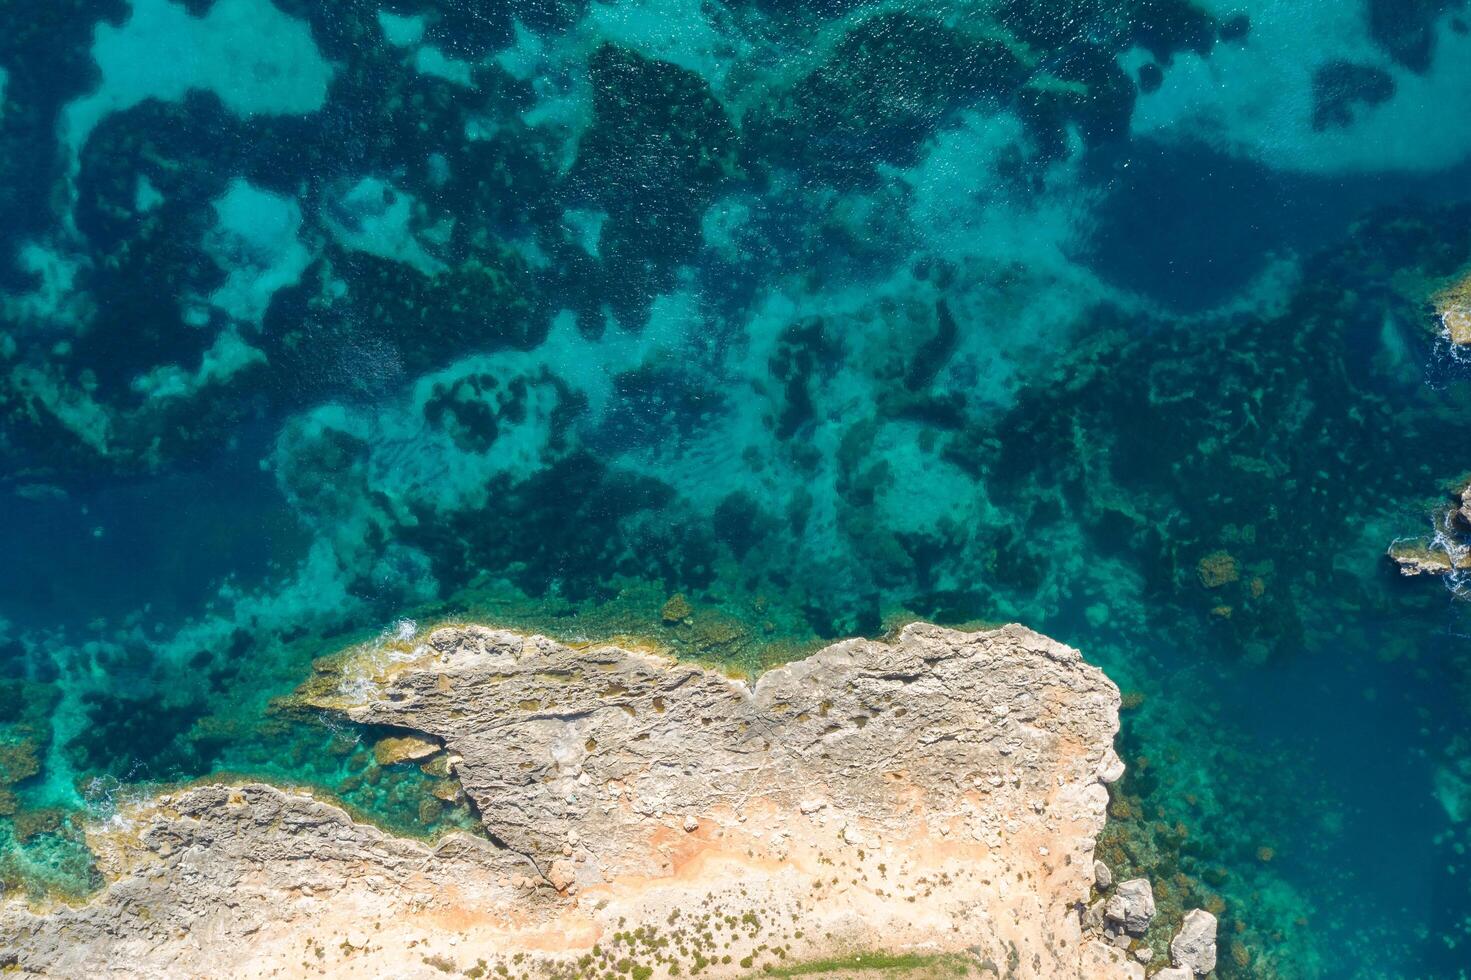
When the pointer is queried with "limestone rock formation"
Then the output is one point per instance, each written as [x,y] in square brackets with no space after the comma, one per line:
[408,748]
[1422,556]
[1131,907]
[940,793]
[1194,946]
[220,874]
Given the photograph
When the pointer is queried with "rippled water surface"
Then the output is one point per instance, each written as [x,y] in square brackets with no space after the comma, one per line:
[740,326]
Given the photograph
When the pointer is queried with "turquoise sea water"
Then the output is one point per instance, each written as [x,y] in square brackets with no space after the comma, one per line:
[1107,316]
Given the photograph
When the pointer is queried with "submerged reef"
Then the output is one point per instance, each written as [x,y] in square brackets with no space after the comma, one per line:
[939,793]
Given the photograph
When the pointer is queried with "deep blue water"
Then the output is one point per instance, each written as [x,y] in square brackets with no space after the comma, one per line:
[1113,317]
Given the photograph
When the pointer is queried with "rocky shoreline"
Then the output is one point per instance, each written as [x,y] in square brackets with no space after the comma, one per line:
[1447,550]
[936,795]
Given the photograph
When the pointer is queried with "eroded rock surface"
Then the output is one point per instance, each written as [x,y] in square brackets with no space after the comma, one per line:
[940,793]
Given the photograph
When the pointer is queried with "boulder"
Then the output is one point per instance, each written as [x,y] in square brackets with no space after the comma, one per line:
[1194,946]
[1093,917]
[1131,907]
[563,873]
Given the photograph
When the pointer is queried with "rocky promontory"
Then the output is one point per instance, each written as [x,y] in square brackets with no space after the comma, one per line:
[931,798]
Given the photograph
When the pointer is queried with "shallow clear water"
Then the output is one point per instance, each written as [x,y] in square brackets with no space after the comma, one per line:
[1109,317]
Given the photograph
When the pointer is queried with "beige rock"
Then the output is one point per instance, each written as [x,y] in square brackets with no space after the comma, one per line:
[562,873]
[409,748]
[1421,556]
[1446,553]
[1131,907]
[1457,324]
[897,739]
[448,790]
[1194,946]
[1453,307]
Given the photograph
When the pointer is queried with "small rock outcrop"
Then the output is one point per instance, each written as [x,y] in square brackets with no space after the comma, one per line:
[1131,907]
[409,748]
[941,793]
[1447,551]
[1194,946]
[1453,308]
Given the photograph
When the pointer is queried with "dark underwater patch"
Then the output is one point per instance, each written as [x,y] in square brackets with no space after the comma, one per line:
[45,55]
[890,81]
[1340,86]
[1405,29]
[660,148]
